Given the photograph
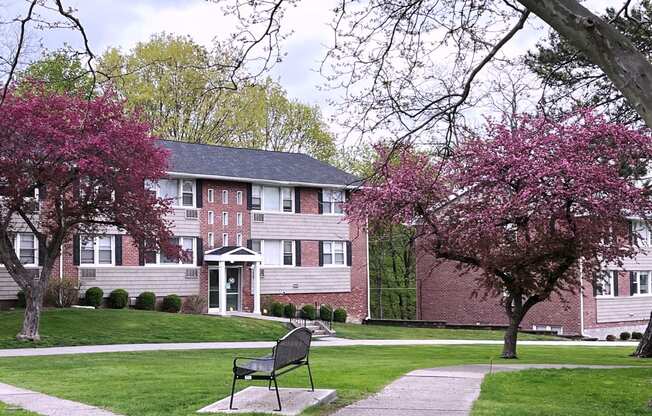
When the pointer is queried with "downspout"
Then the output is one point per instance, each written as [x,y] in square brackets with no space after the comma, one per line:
[368,279]
[581,299]
[61,262]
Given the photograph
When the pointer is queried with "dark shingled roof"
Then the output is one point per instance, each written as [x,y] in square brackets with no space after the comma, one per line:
[232,162]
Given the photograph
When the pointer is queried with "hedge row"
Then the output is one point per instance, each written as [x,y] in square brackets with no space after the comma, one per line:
[119,299]
[307,311]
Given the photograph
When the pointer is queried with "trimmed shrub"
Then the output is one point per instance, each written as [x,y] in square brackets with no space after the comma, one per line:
[325,313]
[289,310]
[276,309]
[624,336]
[146,301]
[195,304]
[21,302]
[611,337]
[339,315]
[308,312]
[118,299]
[62,293]
[637,335]
[93,296]
[171,303]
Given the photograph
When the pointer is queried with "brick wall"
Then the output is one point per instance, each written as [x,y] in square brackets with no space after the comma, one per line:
[445,295]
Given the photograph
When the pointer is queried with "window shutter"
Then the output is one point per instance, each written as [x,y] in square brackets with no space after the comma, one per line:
[249,197]
[41,252]
[199,194]
[118,249]
[320,201]
[297,200]
[75,250]
[594,284]
[297,252]
[249,244]
[200,251]
[321,253]
[630,235]
[615,277]
[141,254]
[349,255]
[42,192]
[632,283]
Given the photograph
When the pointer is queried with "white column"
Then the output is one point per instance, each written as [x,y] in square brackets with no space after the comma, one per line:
[257,287]
[222,283]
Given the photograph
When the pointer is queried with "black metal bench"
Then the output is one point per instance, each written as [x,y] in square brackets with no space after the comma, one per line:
[290,353]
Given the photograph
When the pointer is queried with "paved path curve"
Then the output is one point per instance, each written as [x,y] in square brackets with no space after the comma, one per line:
[47,405]
[327,342]
[436,391]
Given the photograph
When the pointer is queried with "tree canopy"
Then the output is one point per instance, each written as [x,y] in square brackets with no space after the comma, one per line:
[84,162]
[522,206]
[178,85]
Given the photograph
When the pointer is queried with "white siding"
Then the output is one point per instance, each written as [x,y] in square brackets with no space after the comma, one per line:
[136,279]
[183,226]
[624,308]
[306,280]
[8,287]
[300,227]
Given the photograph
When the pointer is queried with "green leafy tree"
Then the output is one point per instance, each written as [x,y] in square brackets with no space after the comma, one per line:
[572,78]
[58,73]
[179,87]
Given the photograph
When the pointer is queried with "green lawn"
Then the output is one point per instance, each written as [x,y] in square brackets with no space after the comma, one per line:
[576,392]
[110,326]
[354,331]
[177,383]
[8,410]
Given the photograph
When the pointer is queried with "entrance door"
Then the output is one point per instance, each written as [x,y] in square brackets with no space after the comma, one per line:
[232,288]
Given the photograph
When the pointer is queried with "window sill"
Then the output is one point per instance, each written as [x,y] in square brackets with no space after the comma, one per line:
[96,266]
[171,266]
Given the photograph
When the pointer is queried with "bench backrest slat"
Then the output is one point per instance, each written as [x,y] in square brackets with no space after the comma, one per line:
[293,347]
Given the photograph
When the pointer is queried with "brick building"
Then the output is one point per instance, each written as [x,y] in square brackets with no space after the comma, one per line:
[620,301]
[260,226]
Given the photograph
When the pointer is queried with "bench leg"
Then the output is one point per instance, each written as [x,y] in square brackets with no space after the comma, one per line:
[269,385]
[278,396]
[312,385]
[232,392]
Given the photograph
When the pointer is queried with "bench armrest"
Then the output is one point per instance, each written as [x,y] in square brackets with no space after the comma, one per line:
[250,358]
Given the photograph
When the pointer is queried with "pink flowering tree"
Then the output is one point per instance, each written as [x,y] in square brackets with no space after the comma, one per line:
[520,206]
[68,165]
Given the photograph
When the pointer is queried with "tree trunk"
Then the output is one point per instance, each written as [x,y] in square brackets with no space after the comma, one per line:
[34,303]
[511,336]
[644,349]
[605,46]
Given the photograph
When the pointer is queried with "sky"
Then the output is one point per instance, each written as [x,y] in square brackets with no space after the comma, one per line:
[123,23]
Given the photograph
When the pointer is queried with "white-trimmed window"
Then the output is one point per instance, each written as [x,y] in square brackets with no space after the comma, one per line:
[180,191]
[332,201]
[96,250]
[186,243]
[26,245]
[238,239]
[642,284]
[272,198]
[211,240]
[334,253]
[256,245]
[225,218]
[225,196]
[276,252]
[238,197]
[211,217]
[238,219]
[225,239]
[551,328]
[604,284]
[642,234]
[211,195]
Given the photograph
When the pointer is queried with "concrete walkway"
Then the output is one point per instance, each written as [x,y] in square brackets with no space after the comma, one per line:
[47,405]
[328,342]
[435,391]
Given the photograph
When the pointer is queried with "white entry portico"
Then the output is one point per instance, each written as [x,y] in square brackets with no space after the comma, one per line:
[227,257]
